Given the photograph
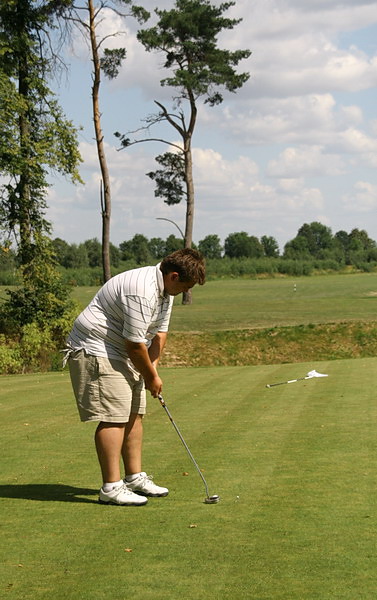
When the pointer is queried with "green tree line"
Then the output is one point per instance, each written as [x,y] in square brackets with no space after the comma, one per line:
[313,242]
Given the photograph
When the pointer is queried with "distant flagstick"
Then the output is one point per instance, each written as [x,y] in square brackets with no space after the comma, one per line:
[309,375]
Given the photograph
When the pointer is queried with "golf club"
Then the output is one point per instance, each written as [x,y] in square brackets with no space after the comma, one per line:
[208,499]
[308,376]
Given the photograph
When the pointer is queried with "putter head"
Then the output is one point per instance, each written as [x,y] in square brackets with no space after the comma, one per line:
[212,499]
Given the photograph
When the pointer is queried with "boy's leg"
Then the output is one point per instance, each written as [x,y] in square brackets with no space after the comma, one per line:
[132,444]
[140,483]
[109,439]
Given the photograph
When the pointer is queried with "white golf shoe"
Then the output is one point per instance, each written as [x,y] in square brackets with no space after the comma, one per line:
[144,486]
[121,495]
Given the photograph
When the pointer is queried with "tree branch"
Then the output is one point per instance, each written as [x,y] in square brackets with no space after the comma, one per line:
[168,117]
[128,143]
[109,36]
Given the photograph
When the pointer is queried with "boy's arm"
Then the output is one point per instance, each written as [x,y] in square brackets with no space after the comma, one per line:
[139,355]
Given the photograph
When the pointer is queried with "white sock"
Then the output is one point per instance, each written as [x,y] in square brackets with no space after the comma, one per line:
[107,487]
[132,477]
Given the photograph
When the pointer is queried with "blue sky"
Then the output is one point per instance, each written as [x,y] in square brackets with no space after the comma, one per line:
[298,143]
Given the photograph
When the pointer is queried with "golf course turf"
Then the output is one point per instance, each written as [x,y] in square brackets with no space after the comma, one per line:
[294,465]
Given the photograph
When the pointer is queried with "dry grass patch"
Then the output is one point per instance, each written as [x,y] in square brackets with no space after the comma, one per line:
[271,346]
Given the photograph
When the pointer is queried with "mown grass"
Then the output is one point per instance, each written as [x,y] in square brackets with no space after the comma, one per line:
[294,466]
[259,303]
[242,304]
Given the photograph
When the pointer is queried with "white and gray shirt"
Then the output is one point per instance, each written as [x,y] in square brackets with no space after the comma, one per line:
[130,306]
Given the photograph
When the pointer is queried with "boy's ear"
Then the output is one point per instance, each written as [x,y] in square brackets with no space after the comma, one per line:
[173,276]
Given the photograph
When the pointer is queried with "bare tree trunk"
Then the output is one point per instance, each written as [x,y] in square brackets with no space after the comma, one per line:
[187,296]
[106,207]
[24,182]
[190,199]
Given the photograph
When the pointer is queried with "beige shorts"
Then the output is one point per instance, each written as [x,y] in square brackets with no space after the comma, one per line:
[105,389]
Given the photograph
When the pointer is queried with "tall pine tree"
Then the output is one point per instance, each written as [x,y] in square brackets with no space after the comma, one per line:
[199,70]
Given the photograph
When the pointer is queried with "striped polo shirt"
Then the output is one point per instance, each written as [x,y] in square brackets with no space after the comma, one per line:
[130,306]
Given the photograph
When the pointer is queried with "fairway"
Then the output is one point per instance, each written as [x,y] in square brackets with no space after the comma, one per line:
[254,303]
[294,466]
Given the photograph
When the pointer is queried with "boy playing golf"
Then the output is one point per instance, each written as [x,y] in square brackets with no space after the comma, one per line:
[113,351]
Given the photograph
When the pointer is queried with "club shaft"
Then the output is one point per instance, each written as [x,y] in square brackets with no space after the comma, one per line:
[284,382]
[162,402]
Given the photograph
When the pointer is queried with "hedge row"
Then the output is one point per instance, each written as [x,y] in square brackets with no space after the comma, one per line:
[216,269]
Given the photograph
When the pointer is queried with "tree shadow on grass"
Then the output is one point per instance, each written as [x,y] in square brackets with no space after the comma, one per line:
[48,492]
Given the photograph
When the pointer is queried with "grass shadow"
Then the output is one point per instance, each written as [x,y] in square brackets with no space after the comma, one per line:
[44,492]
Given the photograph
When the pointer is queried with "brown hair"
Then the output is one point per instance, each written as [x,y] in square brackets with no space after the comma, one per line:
[188,263]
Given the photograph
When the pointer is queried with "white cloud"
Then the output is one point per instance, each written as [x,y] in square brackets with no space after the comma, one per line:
[362,199]
[276,19]
[356,141]
[305,161]
[315,119]
[297,197]
[214,174]
[295,48]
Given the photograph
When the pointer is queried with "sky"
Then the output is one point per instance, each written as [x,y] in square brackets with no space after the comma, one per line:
[296,144]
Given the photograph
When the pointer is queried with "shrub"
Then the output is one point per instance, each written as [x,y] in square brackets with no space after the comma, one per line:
[366,267]
[36,346]
[88,276]
[328,265]
[10,357]
[8,278]
[93,276]
[295,267]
